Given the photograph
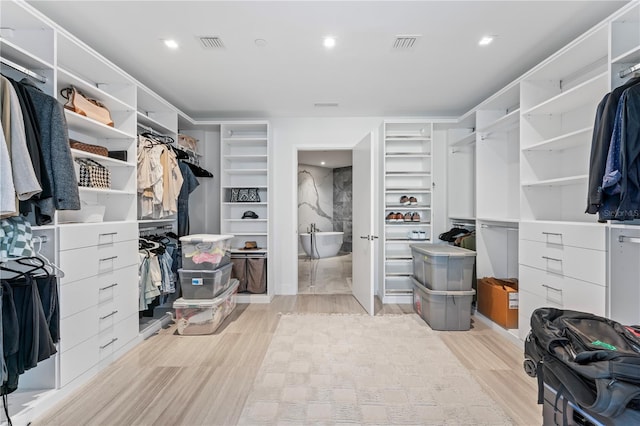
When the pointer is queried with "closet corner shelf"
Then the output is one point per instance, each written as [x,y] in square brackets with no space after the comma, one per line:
[569,180]
[505,123]
[101,158]
[154,124]
[20,56]
[580,95]
[630,56]
[67,78]
[562,142]
[466,140]
[93,128]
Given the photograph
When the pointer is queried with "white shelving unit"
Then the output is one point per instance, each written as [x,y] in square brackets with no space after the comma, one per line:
[244,163]
[461,169]
[408,171]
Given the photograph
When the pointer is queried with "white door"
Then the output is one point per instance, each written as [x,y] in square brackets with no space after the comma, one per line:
[363,232]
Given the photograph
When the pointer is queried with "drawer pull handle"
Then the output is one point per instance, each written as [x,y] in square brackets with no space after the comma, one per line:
[108,258]
[107,233]
[108,287]
[109,315]
[559,234]
[625,239]
[115,339]
[559,290]
[551,258]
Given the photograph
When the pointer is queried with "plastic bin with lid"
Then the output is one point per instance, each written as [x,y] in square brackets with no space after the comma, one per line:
[205,251]
[443,267]
[204,316]
[204,283]
[443,310]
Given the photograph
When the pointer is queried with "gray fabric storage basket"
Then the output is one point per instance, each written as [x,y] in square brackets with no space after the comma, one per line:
[443,310]
[442,267]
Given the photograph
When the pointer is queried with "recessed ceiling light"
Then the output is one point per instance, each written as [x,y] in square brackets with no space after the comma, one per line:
[322,163]
[260,42]
[485,40]
[171,44]
[329,42]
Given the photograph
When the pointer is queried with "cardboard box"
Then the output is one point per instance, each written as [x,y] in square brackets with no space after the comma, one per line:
[498,300]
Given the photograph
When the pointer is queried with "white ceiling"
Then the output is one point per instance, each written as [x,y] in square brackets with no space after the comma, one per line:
[445,74]
[331,159]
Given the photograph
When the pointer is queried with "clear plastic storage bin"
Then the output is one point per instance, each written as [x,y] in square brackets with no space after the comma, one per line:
[204,284]
[205,251]
[443,310]
[443,267]
[205,316]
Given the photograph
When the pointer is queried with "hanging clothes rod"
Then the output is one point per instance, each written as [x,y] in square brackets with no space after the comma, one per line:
[40,239]
[155,228]
[629,70]
[23,70]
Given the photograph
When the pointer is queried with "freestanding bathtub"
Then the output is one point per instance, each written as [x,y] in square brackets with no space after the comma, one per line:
[325,244]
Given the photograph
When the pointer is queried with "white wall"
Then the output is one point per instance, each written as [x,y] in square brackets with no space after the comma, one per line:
[287,136]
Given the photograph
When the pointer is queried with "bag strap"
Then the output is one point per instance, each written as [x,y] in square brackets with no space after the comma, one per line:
[68,91]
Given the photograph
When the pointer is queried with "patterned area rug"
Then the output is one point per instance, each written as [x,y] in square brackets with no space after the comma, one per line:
[357,369]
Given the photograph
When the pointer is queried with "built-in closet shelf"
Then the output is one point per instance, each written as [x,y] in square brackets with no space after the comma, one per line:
[405,207]
[236,234]
[144,119]
[466,140]
[397,274]
[499,220]
[91,90]
[562,142]
[91,127]
[245,171]
[407,240]
[83,189]
[407,190]
[472,220]
[22,57]
[246,220]
[107,161]
[505,123]
[228,203]
[632,55]
[151,222]
[249,252]
[249,139]
[246,157]
[569,180]
[407,174]
[407,223]
[42,227]
[407,155]
[400,138]
[396,258]
[576,97]
[244,186]
[188,150]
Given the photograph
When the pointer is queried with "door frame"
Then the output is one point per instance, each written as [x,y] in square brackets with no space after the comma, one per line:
[297,149]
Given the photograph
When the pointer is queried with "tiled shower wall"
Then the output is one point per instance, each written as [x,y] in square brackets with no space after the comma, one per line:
[342,205]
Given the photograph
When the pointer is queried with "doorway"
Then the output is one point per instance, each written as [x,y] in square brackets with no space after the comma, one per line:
[325,218]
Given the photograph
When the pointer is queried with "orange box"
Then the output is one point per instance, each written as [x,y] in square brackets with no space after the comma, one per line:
[498,300]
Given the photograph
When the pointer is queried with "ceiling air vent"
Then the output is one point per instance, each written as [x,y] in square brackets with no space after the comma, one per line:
[212,42]
[405,42]
[325,104]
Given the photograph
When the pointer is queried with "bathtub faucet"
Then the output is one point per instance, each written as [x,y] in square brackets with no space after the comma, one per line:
[314,228]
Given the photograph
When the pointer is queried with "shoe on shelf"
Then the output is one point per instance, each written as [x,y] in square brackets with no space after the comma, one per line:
[391,216]
[415,217]
[399,217]
[413,200]
[422,235]
[404,200]
[407,217]
[414,235]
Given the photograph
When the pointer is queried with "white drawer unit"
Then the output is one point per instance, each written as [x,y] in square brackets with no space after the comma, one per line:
[580,263]
[95,260]
[77,328]
[78,236]
[78,360]
[565,234]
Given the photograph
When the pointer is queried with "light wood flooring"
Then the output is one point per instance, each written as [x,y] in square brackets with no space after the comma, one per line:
[205,380]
